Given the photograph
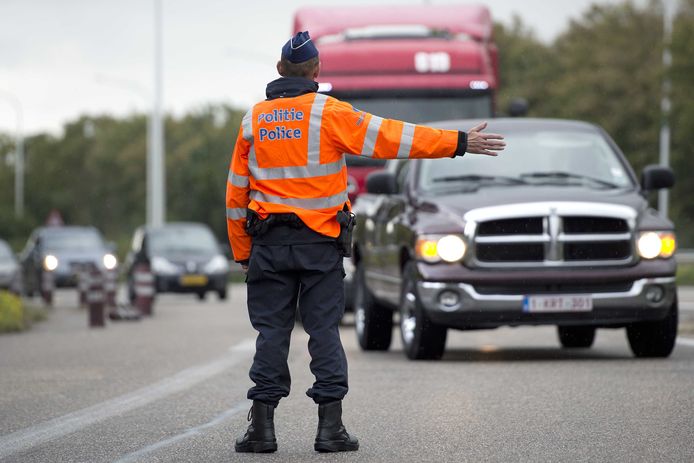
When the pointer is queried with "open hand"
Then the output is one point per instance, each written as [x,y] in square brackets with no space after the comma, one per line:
[484,143]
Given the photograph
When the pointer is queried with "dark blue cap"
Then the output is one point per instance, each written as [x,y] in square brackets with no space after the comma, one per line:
[299,48]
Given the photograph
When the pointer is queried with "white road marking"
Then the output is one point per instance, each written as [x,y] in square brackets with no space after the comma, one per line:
[689,342]
[35,435]
[139,454]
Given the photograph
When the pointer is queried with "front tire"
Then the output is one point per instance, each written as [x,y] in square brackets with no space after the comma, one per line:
[572,337]
[421,338]
[373,323]
[654,338]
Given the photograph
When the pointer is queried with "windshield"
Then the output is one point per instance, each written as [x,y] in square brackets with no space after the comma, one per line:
[72,240]
[536,158]
[426,108]
[182,240]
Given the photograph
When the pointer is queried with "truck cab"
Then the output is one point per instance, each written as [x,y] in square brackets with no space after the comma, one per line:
[414,63]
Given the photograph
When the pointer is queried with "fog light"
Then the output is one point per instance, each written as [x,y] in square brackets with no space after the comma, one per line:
[449,299]
[655,293]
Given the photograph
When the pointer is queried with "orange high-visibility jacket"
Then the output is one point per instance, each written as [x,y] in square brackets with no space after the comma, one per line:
[290,157]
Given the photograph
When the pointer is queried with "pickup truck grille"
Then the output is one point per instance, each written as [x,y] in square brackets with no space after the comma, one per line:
[556,237]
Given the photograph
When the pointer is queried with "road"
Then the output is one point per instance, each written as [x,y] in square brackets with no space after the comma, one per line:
[172,388]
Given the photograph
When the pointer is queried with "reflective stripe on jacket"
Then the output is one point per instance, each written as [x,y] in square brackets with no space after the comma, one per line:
[290,157]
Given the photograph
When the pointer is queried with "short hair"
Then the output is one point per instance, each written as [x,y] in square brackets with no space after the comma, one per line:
[304,69]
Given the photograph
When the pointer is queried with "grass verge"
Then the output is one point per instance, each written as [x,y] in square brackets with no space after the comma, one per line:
[685,274]
[16,315]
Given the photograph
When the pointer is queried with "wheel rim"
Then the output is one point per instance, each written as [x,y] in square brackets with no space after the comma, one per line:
[408,319]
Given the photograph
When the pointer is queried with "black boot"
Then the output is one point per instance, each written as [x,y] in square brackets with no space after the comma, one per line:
[260,437]
[332,435]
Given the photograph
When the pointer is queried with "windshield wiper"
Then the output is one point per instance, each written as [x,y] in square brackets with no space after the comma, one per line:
[568,175]
[481,178]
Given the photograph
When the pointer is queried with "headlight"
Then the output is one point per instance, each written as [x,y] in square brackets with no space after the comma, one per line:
[433,248]
[653,244]
[50,262]
[161,265]
[110,261]
[218,264]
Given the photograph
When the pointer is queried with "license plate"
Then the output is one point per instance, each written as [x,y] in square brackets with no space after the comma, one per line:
[193,280]
[564,303]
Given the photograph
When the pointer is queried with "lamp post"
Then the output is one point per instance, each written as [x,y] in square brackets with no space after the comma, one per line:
[669,9]
[19,154]
[156,186]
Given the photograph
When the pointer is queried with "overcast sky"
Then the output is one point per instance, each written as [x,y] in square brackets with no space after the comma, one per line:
[63,58]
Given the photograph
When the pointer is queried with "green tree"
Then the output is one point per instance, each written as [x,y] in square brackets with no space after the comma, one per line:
[682,121]
[525,64]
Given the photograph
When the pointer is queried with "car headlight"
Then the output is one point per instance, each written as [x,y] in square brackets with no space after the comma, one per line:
[652,244]
[50,262]
[110,261]
[163,266]
[218,264]
[433,248]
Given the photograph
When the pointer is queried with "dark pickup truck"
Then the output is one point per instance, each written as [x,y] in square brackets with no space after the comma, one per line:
[557,230]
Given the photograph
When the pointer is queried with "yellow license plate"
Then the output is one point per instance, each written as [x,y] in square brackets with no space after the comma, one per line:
[193,280]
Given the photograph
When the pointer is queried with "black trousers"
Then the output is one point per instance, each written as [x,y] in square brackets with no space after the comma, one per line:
[278,276]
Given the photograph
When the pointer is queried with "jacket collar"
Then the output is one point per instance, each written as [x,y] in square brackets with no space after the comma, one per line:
[287,87]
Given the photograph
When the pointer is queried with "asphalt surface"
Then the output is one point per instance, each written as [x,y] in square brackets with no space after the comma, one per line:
[173,387]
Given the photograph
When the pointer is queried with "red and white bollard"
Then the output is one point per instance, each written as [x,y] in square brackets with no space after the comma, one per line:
[144,288]
[110,287]
[95,297]
[83,283]
[47,287]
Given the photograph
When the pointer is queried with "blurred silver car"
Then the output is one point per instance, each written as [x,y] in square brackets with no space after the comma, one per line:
[10,274]
[60,251]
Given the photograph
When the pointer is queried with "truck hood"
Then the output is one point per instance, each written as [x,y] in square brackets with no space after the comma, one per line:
[444,212]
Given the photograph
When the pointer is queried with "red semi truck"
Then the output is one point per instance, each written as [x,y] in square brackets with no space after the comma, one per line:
[416,63]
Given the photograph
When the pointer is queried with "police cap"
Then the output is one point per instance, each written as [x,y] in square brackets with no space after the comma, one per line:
[299,48]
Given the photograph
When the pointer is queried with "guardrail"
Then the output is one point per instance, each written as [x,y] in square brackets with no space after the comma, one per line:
[685,256]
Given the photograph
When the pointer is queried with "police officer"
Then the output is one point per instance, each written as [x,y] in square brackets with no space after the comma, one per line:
[287,187]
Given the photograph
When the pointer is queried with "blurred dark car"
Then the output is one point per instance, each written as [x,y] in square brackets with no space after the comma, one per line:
[61,250]
[184,257]
[10,274]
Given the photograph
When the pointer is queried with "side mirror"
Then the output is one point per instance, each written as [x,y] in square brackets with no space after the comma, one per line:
[518,107]
[381,183]
[655,177]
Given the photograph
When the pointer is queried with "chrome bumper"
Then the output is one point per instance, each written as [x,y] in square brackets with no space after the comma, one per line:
[471,301]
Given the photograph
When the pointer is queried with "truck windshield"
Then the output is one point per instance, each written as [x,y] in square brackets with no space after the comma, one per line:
[535,158]
[423,109]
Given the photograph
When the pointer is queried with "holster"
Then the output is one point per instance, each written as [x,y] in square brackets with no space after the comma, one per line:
[255,226]
[347,220]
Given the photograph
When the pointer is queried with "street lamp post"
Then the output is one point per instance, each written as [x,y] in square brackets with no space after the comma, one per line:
[19,154]
[156,186]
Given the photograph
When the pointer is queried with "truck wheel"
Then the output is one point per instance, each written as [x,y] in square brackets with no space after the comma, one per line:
[372,322]
[654,338]
[421,338]
[576,336]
